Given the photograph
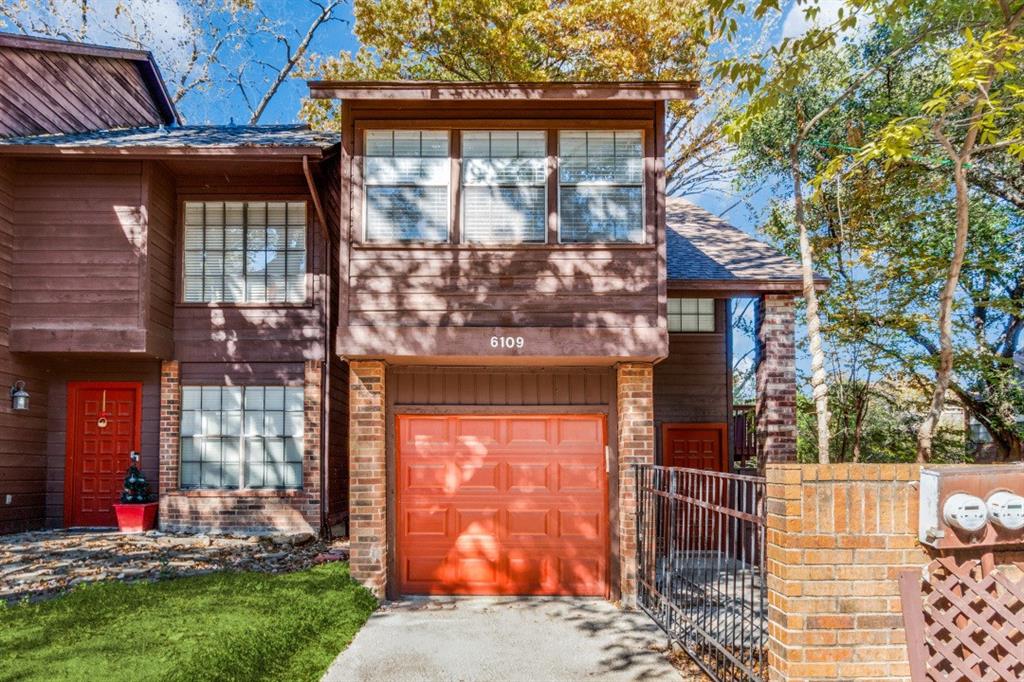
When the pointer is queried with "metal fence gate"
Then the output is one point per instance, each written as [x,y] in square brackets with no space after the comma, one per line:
[701,565]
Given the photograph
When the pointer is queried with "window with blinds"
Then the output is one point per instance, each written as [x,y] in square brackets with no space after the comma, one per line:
[245,252]
[504,198]
[691,315]
[407,178]
[600,186]
[241,437]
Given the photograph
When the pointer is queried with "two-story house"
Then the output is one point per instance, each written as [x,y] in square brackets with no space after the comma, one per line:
[456,329]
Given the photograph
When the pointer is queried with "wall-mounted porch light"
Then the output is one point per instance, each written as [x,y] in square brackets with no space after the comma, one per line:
[19,397]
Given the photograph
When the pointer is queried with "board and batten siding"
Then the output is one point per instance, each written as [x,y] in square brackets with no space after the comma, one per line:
[480,387]
[22,434]
[81,93]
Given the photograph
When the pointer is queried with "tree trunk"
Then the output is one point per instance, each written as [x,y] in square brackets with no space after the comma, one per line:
[926,432]
[819,386]
[858,427]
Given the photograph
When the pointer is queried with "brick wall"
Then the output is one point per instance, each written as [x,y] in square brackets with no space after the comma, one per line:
[239,511]
[368,475]
[776,379]
[635,409]
[838,536]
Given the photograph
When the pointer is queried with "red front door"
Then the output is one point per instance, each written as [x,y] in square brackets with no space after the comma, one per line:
[103,428]
[695,446]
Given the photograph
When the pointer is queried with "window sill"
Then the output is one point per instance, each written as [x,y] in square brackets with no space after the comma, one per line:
[243,492]
[247,306]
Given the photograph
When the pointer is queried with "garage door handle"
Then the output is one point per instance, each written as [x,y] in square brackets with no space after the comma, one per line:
[607,459]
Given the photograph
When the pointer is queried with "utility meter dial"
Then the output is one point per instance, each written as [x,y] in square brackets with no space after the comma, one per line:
[965,512]
[1006,510]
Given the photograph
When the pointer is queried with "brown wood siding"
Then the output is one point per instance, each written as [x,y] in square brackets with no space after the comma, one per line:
[609,293]
[336,438]
[505,387]
[691,384]
[242,374]
[160,252]
[79,267]
[22,435]
[252,333]
[60,373]
[51,92]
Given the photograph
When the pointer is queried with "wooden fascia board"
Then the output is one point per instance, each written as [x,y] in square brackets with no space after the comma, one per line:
[741,287]
[296,153]
[450,91]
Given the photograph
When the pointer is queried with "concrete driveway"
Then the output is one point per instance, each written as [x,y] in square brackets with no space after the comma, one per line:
[540,640]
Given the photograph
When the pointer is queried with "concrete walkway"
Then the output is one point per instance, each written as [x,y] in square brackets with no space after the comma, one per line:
[476,639]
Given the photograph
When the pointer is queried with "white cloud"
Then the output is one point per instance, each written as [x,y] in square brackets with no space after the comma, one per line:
[796,23]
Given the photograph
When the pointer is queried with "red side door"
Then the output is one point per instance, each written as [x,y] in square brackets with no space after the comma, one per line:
[698,446]
[103,428]
[695,446]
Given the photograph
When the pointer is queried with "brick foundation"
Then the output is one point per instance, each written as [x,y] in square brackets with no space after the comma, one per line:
[239,511]
[776,380]
[368,475]
[635,409]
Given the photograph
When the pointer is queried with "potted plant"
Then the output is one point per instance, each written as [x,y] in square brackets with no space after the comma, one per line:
[137,511]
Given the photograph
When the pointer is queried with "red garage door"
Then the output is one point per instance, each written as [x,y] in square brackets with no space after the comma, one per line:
[502,505]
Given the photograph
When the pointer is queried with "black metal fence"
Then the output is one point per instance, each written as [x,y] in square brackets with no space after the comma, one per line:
[701,565]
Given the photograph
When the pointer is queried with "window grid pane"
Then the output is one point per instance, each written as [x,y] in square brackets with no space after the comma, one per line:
[408,173]
[601,186]
[691,315]
[245,252]
[229,434]
[503,177]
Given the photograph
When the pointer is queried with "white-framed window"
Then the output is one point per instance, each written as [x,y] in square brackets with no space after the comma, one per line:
[245,252]
[691,315]
[407,186]
[601,186]
[241,437]
[504,186]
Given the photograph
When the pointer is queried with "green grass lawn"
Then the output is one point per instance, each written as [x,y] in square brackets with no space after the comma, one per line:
[220,626]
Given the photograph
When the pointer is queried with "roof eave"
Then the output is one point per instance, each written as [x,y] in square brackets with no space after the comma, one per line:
[464,90]
[161,152]
[745,287]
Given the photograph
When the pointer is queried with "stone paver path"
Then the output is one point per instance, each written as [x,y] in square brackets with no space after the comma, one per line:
[42,564]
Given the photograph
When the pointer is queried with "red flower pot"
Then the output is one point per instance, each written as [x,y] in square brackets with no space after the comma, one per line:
[136,518]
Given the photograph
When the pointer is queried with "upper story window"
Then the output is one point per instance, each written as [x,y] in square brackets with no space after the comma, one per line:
[600,186]
[504,195]
[408,174]
[245,252]
[241,437]
[691,314]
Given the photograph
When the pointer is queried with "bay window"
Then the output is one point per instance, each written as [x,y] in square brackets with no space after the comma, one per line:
[244,252]
[504,191]
[600,186]
[241,437]
[407,176]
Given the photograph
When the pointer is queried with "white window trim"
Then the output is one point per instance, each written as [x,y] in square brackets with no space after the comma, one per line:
[643,187]
[364,237]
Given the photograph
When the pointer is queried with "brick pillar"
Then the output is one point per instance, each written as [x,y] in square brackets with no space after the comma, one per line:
[838,536]
[776,380]
[368,475]
[312,406]
[170,426]
[635,409]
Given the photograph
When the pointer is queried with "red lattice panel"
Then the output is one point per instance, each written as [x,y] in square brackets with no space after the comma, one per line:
[963,626]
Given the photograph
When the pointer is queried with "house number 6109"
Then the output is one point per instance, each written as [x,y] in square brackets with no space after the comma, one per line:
[507,342]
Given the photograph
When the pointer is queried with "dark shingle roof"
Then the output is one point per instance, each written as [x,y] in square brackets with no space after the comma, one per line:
[702,246]
[184,137]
